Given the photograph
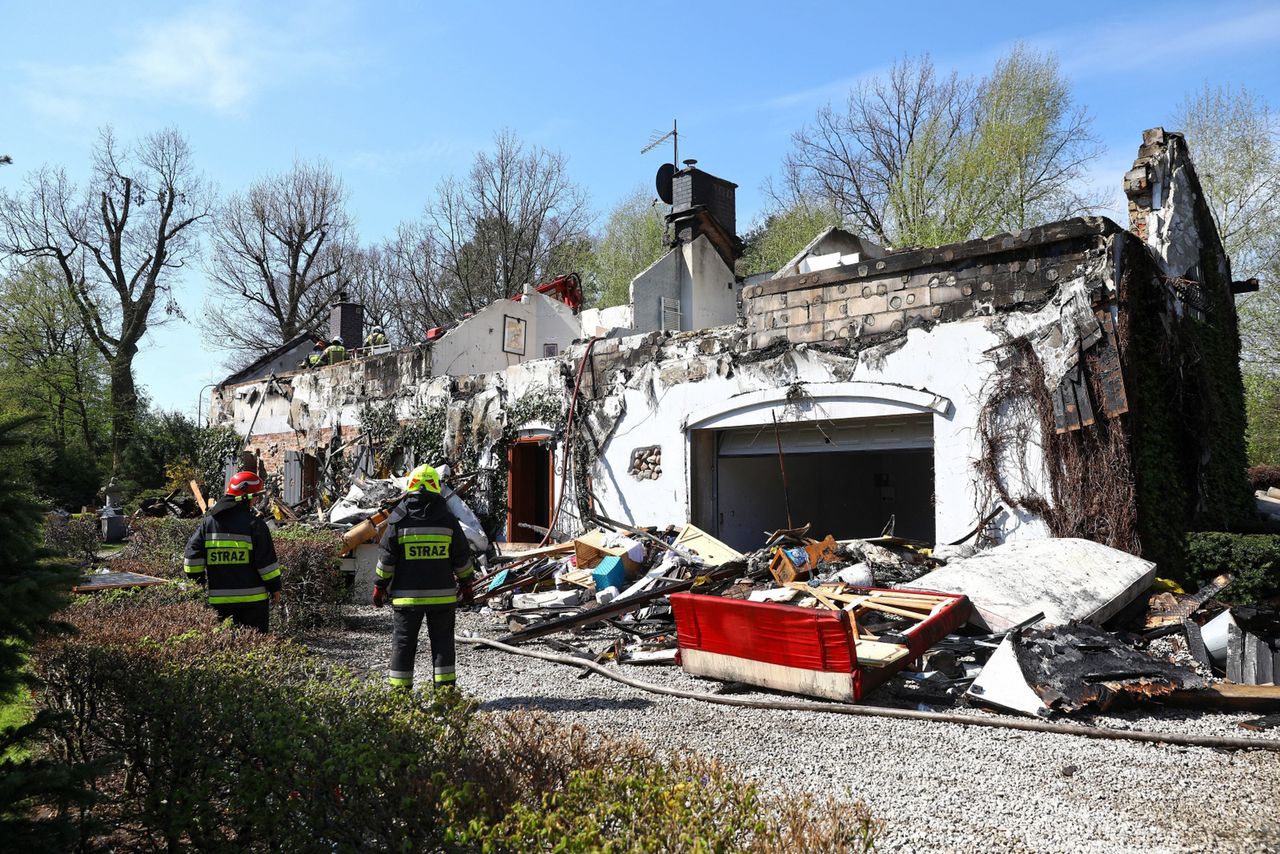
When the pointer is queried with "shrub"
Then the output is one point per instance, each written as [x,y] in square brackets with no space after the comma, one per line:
[561,788]
[1253,559]
[77,538]
[313,589]
[156,547]
[225,739]
[1263,477]
[215,448]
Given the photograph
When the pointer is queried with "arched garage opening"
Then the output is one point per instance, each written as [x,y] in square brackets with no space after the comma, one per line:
[856,456]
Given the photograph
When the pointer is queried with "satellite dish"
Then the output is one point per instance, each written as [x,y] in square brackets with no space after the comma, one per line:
[666,172]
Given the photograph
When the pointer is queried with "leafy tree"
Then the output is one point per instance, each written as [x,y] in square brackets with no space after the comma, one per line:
[50,368]
[917,157]
[632,239]
[281,251]
[781,236]
[35,589]
[52,364]
[163,443]
[1232,135]
[116,246]
[1262,403]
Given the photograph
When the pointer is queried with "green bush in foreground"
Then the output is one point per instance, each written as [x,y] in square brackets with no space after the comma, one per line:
[313,589]
[156,547]
[1253,559]
[33,589]
[220,739]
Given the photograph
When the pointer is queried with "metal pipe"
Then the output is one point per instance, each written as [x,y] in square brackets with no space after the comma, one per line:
[570,432]
[786,493]
[200,397]
[1218,742]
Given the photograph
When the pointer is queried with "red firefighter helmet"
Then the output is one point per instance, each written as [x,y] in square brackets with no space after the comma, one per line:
[244,483]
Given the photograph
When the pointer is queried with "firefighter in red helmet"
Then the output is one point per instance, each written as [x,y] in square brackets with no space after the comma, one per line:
[232,555]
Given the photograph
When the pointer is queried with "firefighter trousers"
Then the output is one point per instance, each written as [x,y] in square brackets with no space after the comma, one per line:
[255,615]
[406,623]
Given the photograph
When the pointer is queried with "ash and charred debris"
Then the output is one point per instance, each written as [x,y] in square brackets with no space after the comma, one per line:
[1080,666]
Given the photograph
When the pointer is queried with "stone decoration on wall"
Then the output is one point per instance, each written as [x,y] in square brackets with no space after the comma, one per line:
[646,463]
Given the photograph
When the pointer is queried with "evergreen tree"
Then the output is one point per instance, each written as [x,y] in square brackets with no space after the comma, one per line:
[35,588]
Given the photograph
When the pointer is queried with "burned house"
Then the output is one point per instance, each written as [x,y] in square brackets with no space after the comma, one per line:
[1074,379]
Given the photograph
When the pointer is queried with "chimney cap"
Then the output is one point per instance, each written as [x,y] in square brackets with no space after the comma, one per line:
[690,163]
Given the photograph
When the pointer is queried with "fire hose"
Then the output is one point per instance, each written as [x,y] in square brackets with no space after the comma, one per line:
[1178,739]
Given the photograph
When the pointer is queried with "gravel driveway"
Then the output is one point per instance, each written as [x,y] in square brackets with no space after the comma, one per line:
[939,787]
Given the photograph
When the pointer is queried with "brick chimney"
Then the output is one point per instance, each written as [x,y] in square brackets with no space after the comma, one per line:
[703,205]
[346,319]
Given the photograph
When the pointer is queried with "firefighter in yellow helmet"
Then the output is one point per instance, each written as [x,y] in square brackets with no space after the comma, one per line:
[426,572]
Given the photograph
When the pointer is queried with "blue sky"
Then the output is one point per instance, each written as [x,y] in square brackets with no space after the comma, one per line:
[396,95]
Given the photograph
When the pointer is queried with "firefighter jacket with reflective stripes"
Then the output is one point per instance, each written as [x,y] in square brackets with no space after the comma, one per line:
[231,553]
[423,551]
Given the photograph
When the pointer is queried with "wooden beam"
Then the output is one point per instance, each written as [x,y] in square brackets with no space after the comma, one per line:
[619,606]
[1228,696]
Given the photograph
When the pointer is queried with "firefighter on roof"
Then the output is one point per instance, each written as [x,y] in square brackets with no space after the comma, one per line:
[232,555]
[425,570]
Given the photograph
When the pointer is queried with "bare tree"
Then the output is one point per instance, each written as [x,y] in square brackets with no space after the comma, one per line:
[505,223]
[116,246]
[882,162]
[919,158]
[280,254]
[399,284]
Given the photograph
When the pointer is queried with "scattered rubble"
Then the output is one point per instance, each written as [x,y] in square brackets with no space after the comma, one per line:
[1042,628]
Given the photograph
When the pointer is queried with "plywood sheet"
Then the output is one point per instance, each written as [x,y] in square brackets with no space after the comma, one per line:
[706,546]
[113,580]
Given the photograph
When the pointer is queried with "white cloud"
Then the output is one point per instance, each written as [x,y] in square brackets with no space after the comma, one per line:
[206,58]
[1101,48]
[210,57]
[1196,37]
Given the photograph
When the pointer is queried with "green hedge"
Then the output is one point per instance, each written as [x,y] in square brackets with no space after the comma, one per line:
[314,592]
[313,589]
[156,547]
[1253,559]
[213,738]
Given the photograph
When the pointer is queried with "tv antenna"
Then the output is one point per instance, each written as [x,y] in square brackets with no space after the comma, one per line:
[657,138]
[667,171]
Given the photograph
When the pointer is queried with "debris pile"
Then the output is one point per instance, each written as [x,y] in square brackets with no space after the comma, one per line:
[1041,627]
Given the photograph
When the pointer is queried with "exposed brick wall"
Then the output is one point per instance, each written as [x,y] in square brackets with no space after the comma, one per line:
[922,287]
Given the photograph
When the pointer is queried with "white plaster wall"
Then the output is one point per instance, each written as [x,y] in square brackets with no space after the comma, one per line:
[708,295]
[943,372]
[948,362]
[553,323]
[475,345]
[661,279]
[602,321]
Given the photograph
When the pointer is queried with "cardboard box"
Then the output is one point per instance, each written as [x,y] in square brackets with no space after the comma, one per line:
[590,550]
